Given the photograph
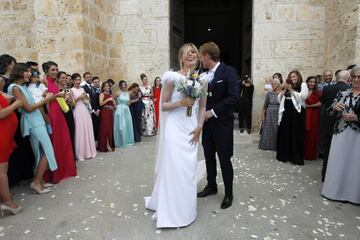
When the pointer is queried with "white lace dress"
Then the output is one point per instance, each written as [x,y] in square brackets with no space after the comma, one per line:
[174,194]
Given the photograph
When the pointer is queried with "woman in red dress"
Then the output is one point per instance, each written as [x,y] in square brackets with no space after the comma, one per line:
[106,129]
[60,137]
[8,123]
[313,104]
[157,91]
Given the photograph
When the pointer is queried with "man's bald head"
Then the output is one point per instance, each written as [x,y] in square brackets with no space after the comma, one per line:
[343,76]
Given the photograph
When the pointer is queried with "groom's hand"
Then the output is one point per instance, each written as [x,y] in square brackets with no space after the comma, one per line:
[208,115]
[196,135]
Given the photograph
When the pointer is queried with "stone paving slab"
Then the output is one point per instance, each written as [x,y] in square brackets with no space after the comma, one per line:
[272,200]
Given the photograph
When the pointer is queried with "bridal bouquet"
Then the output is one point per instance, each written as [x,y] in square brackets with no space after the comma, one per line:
[191,86]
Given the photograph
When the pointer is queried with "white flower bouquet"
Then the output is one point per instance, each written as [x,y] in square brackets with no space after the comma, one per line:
[191,87]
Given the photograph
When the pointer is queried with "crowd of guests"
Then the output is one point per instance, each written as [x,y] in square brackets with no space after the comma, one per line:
[318,118]
[49,123]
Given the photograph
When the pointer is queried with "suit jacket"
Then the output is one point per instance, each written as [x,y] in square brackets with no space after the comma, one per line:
[223,96]
[94,97]
[328,95]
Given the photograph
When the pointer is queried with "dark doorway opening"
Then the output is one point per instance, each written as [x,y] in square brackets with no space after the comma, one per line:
[228,23]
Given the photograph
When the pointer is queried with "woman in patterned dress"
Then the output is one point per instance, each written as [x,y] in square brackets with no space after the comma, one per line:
[149,118]
[269,127]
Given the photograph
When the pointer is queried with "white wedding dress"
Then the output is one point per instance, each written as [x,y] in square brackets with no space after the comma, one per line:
[174,195]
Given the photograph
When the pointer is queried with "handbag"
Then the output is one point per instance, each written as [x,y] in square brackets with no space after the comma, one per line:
[63,105]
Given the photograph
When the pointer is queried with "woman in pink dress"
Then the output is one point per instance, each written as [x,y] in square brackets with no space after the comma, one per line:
[60,137]
[84,135]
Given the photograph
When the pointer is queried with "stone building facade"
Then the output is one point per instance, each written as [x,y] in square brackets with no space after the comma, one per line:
[122,38]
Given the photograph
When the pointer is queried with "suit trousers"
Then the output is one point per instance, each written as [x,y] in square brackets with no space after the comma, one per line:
[210,150]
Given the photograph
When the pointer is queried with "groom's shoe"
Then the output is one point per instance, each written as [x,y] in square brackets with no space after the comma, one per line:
[207,191]
[226,202]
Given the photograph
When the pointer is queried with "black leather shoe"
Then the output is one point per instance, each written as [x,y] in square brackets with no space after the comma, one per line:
[207,191]
[227,202]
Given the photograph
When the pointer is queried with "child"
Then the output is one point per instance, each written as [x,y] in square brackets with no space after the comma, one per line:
[39,91]
[268,86]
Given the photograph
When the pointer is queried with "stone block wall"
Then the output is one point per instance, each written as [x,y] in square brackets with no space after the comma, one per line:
[144,25]
[111,38]
[342,34]
[287,35]
[15,29]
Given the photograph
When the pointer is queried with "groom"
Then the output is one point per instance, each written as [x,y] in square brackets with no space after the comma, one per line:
[217,137]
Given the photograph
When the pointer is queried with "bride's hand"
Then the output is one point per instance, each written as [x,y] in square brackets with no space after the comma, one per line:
[196,135]
[186,102]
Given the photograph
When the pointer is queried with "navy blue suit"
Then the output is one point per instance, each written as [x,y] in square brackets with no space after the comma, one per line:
[217,137]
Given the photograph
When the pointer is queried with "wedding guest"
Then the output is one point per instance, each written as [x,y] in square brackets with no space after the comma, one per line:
[38,90]
[136,109]
[157,91]
[97,86]
[269,126]
[148,118]
[245,105]
[70,82]
[342,176]
[290,144]
[33,125]
[320,81]
[84,134]
[312,103]
[34,66]
[61,138]
[267,86]
[327,98]
[21,162]
[7,63]
[8,123]
[278,76]
[111,84]
[327,77]
[106,131]
[62,80]
[327,80]
[123,126]
[94,102]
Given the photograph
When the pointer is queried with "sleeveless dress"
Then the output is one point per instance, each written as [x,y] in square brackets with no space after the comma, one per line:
[106,134]
[157,91]
[148,115]
[84,134]
[32,124]
[311,137]
[123,125]
[8,130]
[174,194]
[60,139]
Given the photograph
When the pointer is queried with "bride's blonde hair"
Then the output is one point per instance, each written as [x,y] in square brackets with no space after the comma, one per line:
[184,50]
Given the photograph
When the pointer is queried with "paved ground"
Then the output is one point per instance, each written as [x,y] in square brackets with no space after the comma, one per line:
[272,201]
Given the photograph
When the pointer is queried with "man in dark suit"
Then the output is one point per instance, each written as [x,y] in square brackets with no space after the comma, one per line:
[94,101]
[327,122]
[217,137]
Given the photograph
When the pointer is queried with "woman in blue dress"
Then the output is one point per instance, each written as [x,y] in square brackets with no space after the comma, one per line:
[123,126]
[32,124]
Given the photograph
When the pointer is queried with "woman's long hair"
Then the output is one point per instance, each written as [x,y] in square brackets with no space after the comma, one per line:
[297,85]
[315,89]
[160,86]
[18,71]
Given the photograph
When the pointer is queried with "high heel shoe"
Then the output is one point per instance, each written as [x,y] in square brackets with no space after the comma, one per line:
[13,211]
[37,188]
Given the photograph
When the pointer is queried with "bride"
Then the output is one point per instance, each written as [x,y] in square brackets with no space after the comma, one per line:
[174,194]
